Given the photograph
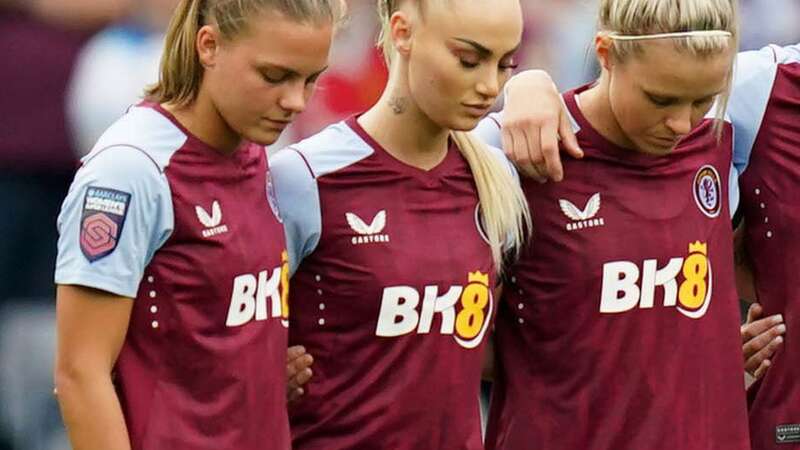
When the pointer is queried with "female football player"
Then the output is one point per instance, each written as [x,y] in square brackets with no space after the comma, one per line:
[619,325]
[398,221]
[172,269]
[764,106]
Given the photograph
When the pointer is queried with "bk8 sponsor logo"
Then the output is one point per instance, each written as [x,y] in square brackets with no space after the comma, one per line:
[626,285]
[465,311]
[250,293]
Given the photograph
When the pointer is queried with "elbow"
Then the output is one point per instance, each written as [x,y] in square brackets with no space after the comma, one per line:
[70,378]
[65,378]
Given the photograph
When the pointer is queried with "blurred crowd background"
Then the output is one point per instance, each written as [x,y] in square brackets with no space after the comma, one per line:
[74,66]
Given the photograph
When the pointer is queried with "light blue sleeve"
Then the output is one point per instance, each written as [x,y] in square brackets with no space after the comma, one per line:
[754,77]
[753,81]
[298,201]
[788,54]
[117,213]
[488,130]
[734,195]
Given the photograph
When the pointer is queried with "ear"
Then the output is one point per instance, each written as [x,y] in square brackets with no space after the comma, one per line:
[207,44]
[402,32]
[604,49]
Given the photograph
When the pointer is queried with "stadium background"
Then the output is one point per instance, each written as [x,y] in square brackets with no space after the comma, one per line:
[73,66]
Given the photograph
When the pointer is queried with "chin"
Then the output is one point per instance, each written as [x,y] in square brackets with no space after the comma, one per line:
[263,137]
[654,150]
[464,123]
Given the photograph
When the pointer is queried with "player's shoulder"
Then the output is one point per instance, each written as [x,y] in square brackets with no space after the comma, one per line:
[789,54]
[133,152]
[758,66]
[332,149]
[141,137]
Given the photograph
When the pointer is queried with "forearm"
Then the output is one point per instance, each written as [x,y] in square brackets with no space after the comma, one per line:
[91,411]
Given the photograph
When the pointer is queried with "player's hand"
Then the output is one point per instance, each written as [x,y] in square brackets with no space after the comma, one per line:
[761,338]
[298,371]
[534,120]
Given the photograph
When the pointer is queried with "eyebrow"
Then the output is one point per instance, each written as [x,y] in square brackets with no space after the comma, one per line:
[674,97]
[291,72]
[483,50]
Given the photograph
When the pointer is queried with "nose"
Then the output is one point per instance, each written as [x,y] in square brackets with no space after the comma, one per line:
[293,99]
[489,85]
[680,122]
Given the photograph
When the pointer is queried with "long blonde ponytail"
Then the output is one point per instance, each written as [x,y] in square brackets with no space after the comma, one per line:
[505,216]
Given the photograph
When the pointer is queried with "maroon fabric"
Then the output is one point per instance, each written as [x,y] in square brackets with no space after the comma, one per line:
[417,390]
[770,198]
[576,376]
[195,381]
[38,63]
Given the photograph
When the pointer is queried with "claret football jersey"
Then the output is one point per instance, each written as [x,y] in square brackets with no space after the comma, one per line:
[765,110]
[156,215]
[391,294]
[619,326]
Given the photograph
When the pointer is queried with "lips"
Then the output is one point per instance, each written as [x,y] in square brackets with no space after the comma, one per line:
[478,110]
[278,124]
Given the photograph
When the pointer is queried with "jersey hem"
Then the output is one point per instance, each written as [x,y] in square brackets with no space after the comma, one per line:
[103,284]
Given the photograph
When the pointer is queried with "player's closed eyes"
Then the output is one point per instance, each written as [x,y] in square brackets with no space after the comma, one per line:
[275,76]
[278,76]
[468,59]
[473,62]
[661,102]
[703,102]
[509,65]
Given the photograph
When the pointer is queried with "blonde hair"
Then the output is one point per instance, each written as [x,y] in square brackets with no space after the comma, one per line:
[181,72]
[505,216]
[645,17]
[385,10]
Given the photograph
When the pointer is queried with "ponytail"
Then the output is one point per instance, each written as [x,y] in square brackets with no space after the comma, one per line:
[505,216]
[180,73]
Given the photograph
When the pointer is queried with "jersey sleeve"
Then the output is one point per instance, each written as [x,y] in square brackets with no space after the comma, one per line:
[488,130]
[754,76]
[786,55]
[297,194]
[117,214]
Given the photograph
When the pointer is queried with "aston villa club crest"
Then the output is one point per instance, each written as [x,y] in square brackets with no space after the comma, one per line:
[104,213]
[707,190]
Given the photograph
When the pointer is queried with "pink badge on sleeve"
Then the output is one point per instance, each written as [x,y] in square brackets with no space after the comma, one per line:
[104,212]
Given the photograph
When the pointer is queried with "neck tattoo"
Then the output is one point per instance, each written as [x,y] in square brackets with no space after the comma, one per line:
[398,104]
